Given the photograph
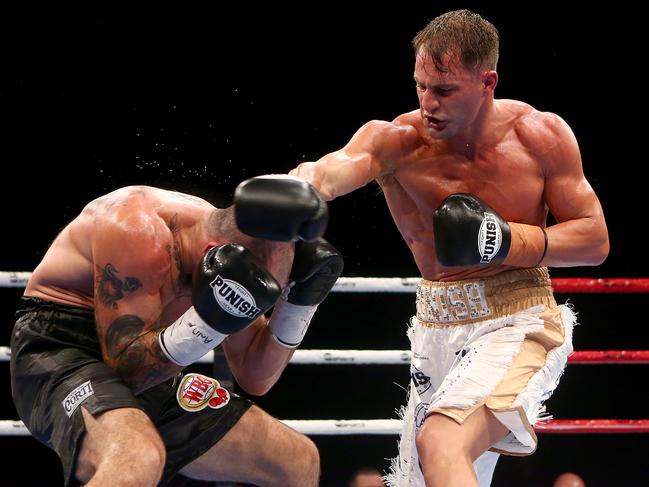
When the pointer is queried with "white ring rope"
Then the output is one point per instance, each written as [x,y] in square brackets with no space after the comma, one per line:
[320,357]
[402,357]
[360,357]
[344,284]
[393,426]
[305,426]
[14,279]
[376,284]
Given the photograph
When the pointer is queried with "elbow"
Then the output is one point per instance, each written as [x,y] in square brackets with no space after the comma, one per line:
[600,251]
[254,385]
[596,242]
[255,388]
[602,254]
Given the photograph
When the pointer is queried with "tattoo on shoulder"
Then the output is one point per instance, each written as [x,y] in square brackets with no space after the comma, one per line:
[184,280]
[111,287]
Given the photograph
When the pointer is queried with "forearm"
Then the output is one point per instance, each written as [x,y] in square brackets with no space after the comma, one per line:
[313,173]
[337,173]
[528,245]
[262,361]
[572,243]
[578,242]
[142,364]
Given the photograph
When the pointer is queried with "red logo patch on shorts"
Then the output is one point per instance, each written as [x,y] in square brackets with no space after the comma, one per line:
[197,391]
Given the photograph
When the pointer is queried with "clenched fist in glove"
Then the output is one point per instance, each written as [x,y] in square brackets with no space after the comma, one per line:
[316,267]
[280,207]
[469,232]
[231,289]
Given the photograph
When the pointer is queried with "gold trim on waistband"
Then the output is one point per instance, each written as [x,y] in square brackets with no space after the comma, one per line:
[449,303]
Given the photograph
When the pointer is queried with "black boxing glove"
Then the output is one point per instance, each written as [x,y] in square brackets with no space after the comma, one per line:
[469,232]
[280,207]
[231,289]
[316,268]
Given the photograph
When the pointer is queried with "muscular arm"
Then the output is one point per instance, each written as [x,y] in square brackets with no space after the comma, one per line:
[259,354]
[580,237]
[130,265]
[369,154]
[255,358]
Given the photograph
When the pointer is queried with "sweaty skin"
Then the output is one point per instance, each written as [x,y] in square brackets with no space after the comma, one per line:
[129,256]
[522,162]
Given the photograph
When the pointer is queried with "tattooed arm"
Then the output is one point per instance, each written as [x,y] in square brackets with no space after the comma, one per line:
[132,262]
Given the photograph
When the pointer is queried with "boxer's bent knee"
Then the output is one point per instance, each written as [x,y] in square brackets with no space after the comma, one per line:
[121,440]
[295,457]
[261,450]
[308,462]
[439,436]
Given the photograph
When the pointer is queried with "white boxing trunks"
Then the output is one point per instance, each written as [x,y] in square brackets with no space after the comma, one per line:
[500,341]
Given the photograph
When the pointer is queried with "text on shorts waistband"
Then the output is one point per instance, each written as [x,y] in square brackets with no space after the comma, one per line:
[458,302]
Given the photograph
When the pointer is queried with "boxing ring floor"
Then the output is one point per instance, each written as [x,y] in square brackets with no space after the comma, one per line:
[346,399]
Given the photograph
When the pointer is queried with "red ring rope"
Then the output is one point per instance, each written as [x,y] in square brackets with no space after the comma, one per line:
[609,357]
[602,285]
[564,426]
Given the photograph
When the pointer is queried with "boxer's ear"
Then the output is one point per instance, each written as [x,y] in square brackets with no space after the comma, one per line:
[210,245]
[489,81]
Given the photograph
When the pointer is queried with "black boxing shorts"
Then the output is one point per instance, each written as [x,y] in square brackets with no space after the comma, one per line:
[57,366]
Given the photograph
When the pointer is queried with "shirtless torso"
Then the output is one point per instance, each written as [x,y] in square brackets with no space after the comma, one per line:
[507,173]
[527,163]
[70,268]
[132,253]
[132,257]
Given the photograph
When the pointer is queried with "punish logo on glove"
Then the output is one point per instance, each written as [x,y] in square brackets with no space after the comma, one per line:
[234,298]
[197,391]
[490,238]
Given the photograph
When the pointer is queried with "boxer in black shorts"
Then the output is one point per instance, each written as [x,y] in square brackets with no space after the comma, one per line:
[56,348]
[143,283]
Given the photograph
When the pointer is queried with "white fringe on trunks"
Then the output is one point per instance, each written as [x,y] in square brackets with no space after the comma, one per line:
[459,367]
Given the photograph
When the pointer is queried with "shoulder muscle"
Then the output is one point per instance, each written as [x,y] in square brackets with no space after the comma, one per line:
[550,140]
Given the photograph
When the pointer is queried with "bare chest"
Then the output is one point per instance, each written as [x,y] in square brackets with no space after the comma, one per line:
[508,180]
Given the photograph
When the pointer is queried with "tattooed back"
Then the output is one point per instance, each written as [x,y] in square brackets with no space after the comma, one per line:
[69,271]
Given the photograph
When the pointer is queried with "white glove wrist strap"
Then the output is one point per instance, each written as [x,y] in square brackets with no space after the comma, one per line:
[188,338]
[289,322]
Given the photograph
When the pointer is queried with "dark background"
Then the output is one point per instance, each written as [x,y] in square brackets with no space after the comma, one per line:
[198,100]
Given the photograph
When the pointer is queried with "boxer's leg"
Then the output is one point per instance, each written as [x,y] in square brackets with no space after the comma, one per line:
[121,447]
[259,450]
[447,449]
